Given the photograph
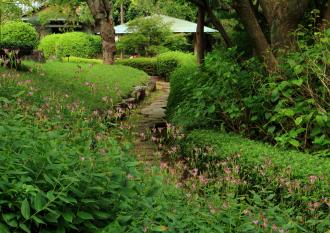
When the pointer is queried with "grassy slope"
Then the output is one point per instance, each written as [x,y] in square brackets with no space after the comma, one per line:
[84,82]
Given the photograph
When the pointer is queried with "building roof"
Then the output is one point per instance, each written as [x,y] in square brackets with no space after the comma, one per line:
[176,25]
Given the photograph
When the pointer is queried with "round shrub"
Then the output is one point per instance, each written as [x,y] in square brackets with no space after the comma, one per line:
[96,44]
[76,44]
[18,35]
[48,44]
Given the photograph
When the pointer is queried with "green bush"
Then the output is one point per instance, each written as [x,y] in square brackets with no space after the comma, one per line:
[162,65]
[48,45]
[74,44]
[181,83]
[169,61]
[77,44]
[96,45]
[148,65]
[18,35]
[289,109]
[243,167]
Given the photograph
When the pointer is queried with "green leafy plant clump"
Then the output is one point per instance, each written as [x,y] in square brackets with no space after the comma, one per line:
[18,35]
[243,168]
[289,109]
[77,44]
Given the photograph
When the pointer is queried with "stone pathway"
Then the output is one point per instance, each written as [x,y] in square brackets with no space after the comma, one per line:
[149,115]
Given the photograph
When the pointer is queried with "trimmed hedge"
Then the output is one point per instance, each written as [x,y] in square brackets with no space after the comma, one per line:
[18,35]
[82,60]
[74,44]
[77,44]
[162,65]
[48,45]
[148,65]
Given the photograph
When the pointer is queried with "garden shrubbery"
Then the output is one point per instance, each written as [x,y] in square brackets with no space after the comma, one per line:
[76,44]
[16,39]
[18,35]
[148,65]
[48,45]
[162,65]
[290,108]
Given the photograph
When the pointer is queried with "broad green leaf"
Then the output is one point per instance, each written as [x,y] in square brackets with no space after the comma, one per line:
[38,220]
[298,82]
[294,143]
[24,228]
[124,219]
[3,228]
[211,109]
[25,209]
[298,120]
[84,215]
[38,202]
[68,216]
[8,217]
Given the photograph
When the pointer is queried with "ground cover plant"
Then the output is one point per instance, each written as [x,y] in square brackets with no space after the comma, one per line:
[56,176]
[67,172]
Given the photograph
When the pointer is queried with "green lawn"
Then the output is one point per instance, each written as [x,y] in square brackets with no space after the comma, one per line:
[94,85]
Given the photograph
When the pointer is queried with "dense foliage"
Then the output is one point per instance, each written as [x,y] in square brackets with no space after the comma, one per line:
[288,108]
[48,45]
[18,35]
[162,65]
[291,188]
[150,36]
[64,171]
[77,44]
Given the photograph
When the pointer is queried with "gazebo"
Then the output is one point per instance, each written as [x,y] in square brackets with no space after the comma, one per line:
[176,25]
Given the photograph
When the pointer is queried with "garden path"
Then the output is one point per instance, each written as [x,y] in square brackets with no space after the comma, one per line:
[149,115]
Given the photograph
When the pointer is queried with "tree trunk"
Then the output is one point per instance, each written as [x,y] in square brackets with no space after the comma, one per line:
[122,14]
[108,41]
[326,18]
[217,24]
[122,21]
[102,11]
[283,18]
[250,22]
[200,47]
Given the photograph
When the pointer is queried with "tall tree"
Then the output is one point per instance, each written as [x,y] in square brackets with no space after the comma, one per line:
[102,11]
[209,6]
[283,18]
[326,17]
[251,24]
[200,42]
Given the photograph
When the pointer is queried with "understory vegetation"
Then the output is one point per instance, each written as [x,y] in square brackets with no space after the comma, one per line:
[288,108]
